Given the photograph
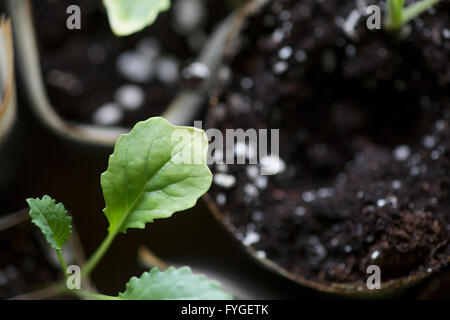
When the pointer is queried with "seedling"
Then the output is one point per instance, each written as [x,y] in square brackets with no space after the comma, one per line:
[399,15]
[127,17]
[147,178]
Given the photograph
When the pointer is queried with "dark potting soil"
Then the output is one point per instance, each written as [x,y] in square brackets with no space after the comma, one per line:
[23,263]
[364,123]
[80,66]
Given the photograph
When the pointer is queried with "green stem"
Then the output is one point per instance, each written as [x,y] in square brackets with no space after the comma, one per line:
[62,262]
[91,295]
[395,9]
[416,9]
[399,16]
[98,255]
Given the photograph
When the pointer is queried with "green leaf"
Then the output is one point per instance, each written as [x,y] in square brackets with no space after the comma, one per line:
[129,16]
[52,219]
[173,284]
[157,169]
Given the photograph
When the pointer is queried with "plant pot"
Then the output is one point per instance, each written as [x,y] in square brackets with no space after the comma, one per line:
[7,104]
[345,196]
[182,110]
[29,268]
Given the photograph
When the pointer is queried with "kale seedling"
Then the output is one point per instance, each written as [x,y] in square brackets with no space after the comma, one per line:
[155,170]
[399,15]
[127,17]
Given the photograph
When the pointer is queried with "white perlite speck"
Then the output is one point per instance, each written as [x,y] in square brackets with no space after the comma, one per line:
[188,15]
[222,167]
[300,211]
[250,190]
[261,182]
[325,192]
[318,247]
[278,35]
[246,83]
[252,172]
[429,141]
[149,47]
[309,196]
[135,66]
[440,125]
[285,53]
[261,254]
[280,67]
[381,203]
[251,238]
[446,34]
[396,184]
[221,199]
[130,96]
[271,165]
[108,114]
[435,155]
[167,70]
[224,180]
[197,70]
[402,153]
[375,254]
[350,23]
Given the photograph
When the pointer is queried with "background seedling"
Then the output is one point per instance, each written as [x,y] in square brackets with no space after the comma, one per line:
[147,178]
[127,17]
[399,15]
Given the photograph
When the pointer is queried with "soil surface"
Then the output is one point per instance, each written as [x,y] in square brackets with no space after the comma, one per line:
[23,264]
[80,66]
[364,119]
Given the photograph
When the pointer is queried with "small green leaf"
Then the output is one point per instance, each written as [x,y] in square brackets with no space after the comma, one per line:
[173,284]
[156,170]
[129,16]
[52,219]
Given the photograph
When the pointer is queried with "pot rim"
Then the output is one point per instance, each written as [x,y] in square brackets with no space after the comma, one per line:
[8,103]
[180,111]
[346,289]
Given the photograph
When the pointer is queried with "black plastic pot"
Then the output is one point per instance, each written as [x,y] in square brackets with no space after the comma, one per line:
[347,290]
[182,111]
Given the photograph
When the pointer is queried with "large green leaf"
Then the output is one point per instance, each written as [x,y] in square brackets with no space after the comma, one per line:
[173,284]
[152,174]
[52,219]
[129,16]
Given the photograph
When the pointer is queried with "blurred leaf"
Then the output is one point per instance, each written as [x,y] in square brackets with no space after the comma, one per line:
[130,16]
[173,284]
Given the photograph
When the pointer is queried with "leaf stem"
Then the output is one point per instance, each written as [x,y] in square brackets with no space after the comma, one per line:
[398,16]
[92,296]
[98,254]
[416,9]
[62,262]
